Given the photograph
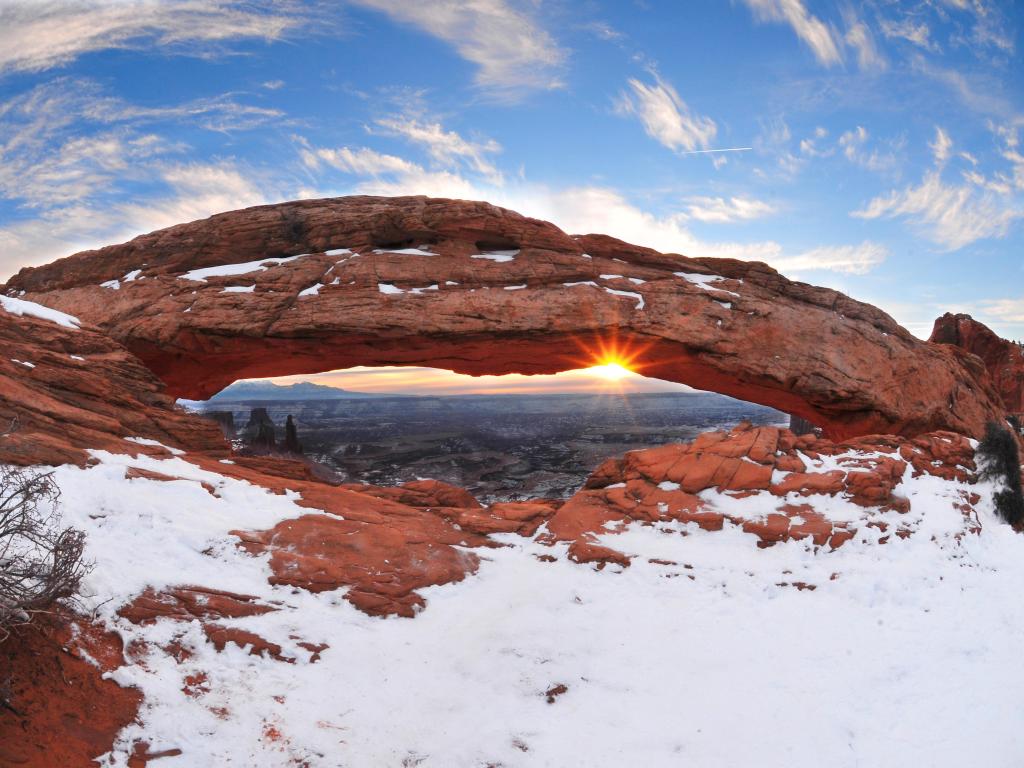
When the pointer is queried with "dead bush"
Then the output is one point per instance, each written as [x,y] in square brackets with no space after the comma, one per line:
[40,561]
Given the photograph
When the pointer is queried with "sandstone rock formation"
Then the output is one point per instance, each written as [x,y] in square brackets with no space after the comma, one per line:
[315,285]
[1003,359]
[64,390]
[788,482]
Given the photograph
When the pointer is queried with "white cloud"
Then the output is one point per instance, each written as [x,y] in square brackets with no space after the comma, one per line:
[189,192]
[35,36]
[810,146]
[814,33]
[941,147]
[65,141]
[513,52]
[990,27]
[955,215]
[196,190]
[722,211]
[1009,311]
[442,145]
[853,144]
[917,32]
[846,259]
[950,215]
[361,161]
[859,37]
[666,117]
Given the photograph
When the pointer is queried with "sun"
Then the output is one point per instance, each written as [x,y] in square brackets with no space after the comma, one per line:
[610,371]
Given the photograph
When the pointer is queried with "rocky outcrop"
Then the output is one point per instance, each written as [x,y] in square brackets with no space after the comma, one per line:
[65,389]
[315,285]
[1003,359]
[769,483]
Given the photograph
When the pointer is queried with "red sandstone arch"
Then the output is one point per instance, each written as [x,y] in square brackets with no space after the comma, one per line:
[734,327]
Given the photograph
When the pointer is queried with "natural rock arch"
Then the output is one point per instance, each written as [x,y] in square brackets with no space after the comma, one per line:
[342,282]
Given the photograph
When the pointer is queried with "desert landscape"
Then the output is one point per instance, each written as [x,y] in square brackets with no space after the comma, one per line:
[397,478]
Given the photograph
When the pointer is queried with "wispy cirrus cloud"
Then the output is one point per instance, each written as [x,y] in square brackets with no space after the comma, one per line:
[954,215]
[845,259]
[913,31]
[859,37]
[666,118]
[444,146]
[512,50]
[185,192]
[67,140]
[36,36]
[854,146]
[821,38]
[79,168]
[720,210]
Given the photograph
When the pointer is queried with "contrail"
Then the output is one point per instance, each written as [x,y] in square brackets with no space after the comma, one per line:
[707,151]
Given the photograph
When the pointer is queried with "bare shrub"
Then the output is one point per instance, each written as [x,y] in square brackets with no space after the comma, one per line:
[40,562]
[1000,461]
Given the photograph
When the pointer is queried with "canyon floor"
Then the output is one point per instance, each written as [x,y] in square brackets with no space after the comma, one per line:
[498,447]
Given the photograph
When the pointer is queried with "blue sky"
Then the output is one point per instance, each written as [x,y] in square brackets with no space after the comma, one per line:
[880,141]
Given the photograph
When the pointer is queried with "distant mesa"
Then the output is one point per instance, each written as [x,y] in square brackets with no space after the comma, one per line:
[243,391]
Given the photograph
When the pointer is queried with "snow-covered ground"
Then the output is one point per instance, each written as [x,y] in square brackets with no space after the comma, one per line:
[906,653]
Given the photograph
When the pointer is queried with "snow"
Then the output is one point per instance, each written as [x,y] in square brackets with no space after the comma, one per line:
[393,290]
[515,287]
[906,653]
[21,307]
[238,289]
[582,282]
[339,252]
[705,281]
[243,268]
[77,357]
[421,251]
[116,284]
[23,362]
[155,444]
[313,290]
[628,294]
[499,256]
[610,277]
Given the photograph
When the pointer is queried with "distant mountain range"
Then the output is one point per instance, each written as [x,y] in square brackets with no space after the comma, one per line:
[304,390]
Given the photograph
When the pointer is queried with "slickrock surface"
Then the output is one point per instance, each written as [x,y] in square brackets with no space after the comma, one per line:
[316,285]
[1003,359]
